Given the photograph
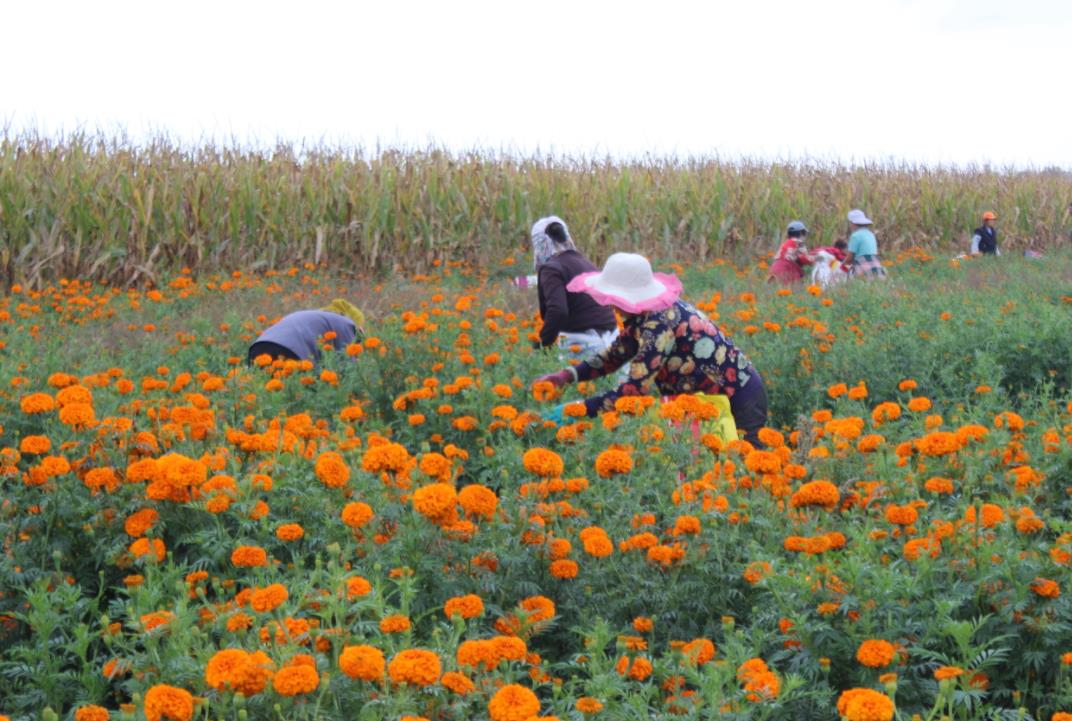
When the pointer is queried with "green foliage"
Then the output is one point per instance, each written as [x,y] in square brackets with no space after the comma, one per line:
[74,597]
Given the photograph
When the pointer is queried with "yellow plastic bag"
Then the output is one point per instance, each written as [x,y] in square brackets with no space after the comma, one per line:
[724,426]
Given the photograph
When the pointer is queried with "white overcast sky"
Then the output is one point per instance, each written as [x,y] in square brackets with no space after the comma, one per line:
[934,81]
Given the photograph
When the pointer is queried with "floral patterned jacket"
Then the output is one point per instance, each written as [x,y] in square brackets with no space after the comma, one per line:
[679,349]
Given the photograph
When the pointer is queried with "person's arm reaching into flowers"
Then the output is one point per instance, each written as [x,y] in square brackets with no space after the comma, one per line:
[645,357]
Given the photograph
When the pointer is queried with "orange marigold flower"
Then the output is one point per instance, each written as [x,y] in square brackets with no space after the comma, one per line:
[513,703]
[357,586]
[415,666]
[90,712]
[543,463]
[763,686]
[1046,588]
[363,663]
[864,704]
[643,624]
[37,403]
[990,515]
[153,548]
[756,571]
[543,391]
[588,705]
[436,466]
[478,500]
[870,443]
[816,493]
[875,653]
[294,680]
[138,523]
[916,547]
[596,542]
[239,671]
[837,390]
[849,428]
[435,501]
[765,462]
[332,470]
[266,600]
[35,445]
[78,415]
[940,485]
[395,623]
[919,405]
[564,569]
[468,606]
[457,683]
[249,557]
[385,457]
[698,651]
[885,412]
[1008,419]
[290,532]
[939,443]
[168,703]
[357,514]
[946,672]
[901,515]
[637,669]
[613,461]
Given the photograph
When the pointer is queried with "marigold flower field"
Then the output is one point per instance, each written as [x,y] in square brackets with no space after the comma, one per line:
[398,534]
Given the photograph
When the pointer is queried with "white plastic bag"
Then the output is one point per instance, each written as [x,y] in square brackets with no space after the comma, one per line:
[826,271]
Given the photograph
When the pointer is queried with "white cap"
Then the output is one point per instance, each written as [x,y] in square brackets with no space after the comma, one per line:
[857,217]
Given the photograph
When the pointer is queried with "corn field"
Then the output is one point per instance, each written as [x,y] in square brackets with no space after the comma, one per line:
[104,209]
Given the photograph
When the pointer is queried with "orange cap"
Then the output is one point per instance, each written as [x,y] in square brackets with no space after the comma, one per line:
[988,215]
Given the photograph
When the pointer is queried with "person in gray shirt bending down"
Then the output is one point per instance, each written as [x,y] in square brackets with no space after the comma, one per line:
[298,336]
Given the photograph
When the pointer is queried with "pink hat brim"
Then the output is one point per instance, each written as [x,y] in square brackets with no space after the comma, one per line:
[671,292]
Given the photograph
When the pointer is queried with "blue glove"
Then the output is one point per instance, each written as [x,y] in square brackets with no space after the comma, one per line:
[554,414]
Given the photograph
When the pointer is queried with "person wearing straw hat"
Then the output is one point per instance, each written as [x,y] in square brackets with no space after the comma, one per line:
[574,322]
[861,258]
[792,256]
[666,342]
[985,237]
[299,335]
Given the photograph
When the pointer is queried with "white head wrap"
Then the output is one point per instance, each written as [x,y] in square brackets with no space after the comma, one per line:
[544,246]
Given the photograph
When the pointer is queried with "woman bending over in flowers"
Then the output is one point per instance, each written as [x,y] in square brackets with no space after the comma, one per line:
[665,341]
[298,336]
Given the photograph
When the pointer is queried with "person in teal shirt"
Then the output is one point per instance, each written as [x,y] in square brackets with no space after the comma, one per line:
[862,259]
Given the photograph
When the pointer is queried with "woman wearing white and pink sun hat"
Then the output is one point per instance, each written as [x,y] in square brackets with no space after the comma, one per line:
[665,341]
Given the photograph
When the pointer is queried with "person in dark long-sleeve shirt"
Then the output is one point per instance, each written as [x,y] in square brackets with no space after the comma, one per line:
[573,322]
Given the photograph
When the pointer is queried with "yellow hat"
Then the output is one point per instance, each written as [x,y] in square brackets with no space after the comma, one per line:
[348,309]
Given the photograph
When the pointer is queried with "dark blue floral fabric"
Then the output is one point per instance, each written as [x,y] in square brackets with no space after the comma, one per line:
[679,349]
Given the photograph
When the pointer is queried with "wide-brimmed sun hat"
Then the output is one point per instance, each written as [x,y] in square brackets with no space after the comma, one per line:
[857,217]
[628,283]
